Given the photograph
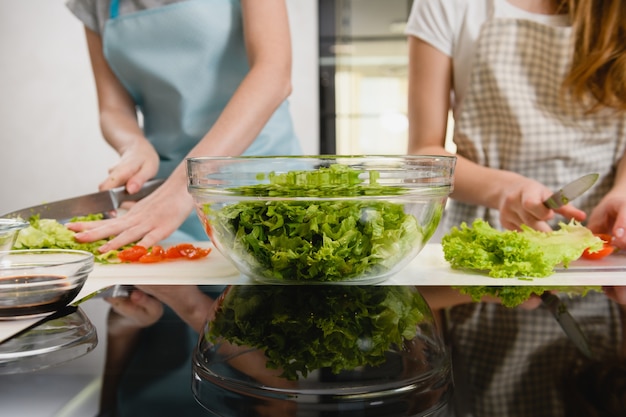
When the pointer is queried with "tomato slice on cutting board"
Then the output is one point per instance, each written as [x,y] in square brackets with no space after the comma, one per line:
[606,250]
[156,253]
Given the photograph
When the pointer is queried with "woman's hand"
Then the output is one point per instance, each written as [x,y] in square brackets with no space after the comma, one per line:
[139,162]
[192,305]
[617,294]
[147,222]
[522,203]
[136,311]
[609,217]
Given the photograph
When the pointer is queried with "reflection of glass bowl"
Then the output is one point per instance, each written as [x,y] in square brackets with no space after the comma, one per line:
[321,351]
[9,229]
[324,219]
[35,282]
[51,343]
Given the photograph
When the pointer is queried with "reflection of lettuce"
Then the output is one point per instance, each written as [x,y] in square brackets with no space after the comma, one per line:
[303,328]
[318,240]
[512,296]
[50,234]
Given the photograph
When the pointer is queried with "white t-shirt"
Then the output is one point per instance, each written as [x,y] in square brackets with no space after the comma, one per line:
[453,27]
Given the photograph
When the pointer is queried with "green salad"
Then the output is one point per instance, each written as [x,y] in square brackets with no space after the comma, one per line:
[524,254]
[50,234]
[304,328]
[317,239]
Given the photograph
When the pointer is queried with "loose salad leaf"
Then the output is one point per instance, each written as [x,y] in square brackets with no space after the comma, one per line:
[507,254]
[301,328]
[317,239]
[529,253]
[49,234]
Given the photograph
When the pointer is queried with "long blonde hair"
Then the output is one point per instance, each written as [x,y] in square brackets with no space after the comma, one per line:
[598,74]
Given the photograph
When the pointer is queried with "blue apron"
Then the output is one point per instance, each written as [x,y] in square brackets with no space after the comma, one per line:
[181,63]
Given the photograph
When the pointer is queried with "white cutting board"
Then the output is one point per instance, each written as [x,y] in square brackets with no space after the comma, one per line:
[428,268]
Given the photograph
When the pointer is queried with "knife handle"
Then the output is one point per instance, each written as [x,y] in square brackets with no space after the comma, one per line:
[120,195]
[555,201]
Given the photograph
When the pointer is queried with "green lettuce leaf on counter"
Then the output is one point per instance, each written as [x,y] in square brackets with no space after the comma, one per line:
[50,234]
[509,253]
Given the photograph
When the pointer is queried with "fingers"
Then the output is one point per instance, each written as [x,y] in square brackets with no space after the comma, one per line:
[617,294]
[138,308]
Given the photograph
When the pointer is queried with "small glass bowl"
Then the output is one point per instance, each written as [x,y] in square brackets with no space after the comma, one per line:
[36,282]
[295,350]
[320,219]
[9,229]
[54,342]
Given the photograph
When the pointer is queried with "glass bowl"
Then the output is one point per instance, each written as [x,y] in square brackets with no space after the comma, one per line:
[320,219]
[9,229]
[314,350]
[36,282]
[54,342]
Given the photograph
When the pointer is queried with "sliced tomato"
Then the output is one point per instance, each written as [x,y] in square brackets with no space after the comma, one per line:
[157,250]
[158,254]
[178,251]
[150,258]
[606,250]
[197,253]
[132,254]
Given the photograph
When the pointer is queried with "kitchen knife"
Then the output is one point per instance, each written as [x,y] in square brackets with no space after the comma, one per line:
[102,202]
[567,322]
[572,190]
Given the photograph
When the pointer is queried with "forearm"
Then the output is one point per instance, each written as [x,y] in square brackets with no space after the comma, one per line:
[121,343]
[442,297]
[248,111]
[188,302]
[470,179]
[120,129]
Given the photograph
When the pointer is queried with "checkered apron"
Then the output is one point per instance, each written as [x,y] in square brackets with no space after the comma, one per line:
[513,362]
[507,362]
[515,118]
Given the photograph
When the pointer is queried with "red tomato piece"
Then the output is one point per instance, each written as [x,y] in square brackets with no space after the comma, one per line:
[606,250]
[158,254]
[157,250]
[132,254]
[150,258]
[173,253]
[196,253]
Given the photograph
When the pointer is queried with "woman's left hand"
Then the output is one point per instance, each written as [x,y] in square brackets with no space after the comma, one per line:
[609,217]
[146,222]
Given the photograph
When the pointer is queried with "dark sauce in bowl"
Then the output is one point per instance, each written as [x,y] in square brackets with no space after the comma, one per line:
[35,295]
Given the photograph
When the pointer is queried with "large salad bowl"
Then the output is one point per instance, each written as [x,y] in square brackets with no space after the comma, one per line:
[320,219]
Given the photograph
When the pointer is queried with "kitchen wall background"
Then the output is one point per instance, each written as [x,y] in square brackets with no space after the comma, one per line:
[51,149]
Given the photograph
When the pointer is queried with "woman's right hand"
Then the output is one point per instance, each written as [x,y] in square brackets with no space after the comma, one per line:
[522,204]
[139,162]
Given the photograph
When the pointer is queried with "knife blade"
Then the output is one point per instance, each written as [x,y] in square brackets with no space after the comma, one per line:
[102,202]
[567,322]
[571,191]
